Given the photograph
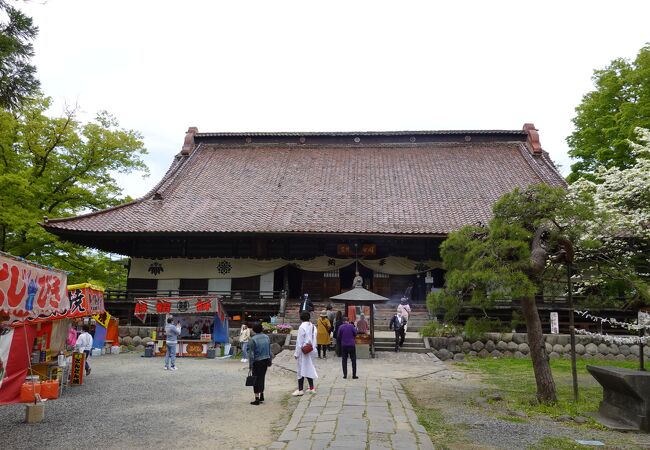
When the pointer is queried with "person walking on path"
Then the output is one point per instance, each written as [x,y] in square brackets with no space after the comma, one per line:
[346,334]
[244,336]
[331,316]
[306,304]
[323,334]
[259,355]
[338,321]
[404,309]
[398,324]
[305,361]
[171,332]
[85,344]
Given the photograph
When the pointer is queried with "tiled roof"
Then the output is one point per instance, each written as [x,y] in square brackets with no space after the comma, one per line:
[412,188]
[361,133]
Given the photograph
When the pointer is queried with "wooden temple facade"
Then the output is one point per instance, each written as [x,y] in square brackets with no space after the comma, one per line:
[249,215]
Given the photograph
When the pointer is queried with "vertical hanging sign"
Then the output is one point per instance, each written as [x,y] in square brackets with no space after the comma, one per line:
[77,369]
[555,323]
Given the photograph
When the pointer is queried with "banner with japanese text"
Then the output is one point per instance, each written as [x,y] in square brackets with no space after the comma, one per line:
[174,305]
[30,291]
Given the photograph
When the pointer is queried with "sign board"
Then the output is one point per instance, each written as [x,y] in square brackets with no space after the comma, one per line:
[29,291]
[77,369]
[555,323]
[644,318]
[363,250]
[103,319]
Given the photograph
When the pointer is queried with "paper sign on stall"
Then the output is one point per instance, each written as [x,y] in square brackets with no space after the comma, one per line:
[77,369]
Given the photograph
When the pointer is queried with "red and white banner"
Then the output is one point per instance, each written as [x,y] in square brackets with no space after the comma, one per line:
[29,291]
[175,305]
[14,361]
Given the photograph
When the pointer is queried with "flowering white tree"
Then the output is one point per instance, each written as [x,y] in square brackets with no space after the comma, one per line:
[616,242]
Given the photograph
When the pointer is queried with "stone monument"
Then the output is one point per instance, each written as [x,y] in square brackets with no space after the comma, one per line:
[626,397]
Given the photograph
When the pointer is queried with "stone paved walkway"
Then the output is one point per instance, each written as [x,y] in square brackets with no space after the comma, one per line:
[370,413]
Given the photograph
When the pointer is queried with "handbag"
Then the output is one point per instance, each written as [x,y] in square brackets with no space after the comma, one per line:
[251,379]
[308,347]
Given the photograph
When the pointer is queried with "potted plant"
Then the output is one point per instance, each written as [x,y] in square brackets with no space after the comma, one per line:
[268,328]
[283,328]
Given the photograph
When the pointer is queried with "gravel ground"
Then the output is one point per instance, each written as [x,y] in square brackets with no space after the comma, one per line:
[490,426]
[131,402]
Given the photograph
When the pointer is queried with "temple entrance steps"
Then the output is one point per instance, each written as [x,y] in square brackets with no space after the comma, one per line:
[412,344]
[385,342]
[419,316]
[292,313]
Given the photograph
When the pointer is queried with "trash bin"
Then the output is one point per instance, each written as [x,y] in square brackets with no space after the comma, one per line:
[212,353]
[148,351]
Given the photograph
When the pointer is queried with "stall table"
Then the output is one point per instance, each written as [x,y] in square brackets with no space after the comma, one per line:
[185,347]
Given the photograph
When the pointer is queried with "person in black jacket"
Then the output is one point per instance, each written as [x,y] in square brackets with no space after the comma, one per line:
[306,304]
[398,323]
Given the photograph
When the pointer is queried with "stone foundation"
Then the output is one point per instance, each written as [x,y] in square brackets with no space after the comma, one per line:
[497,345]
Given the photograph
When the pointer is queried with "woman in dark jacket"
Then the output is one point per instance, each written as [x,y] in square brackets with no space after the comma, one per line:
[338,321]
[259,357]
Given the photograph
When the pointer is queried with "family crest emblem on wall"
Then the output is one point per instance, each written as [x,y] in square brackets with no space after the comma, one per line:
[224,267]
[155,268]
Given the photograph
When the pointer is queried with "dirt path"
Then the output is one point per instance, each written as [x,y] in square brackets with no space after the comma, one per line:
[131,402]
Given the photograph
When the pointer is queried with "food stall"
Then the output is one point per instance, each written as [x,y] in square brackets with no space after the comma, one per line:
[84,301]
[39,311]
[203,322]
[29,292]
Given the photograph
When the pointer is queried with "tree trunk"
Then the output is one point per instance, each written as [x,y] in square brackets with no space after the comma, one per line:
[543,375]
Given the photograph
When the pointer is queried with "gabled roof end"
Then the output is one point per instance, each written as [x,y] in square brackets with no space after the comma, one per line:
[188,144]
[532,142]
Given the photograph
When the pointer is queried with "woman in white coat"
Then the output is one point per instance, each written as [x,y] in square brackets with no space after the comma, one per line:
[305,361]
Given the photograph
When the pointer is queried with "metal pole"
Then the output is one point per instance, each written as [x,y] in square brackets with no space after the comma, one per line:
[372,331]
[641,358]
[572,333]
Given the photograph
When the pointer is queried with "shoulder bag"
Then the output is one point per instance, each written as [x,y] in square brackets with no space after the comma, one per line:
[308,347]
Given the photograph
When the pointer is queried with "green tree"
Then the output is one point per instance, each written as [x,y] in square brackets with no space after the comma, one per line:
[608,116]
[17,76]
[532,231]
[57,167]
[615,245]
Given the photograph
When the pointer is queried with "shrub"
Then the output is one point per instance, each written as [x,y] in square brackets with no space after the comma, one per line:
[475,328]
[438,329]
[268,327]
[284,328]
[441,302]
